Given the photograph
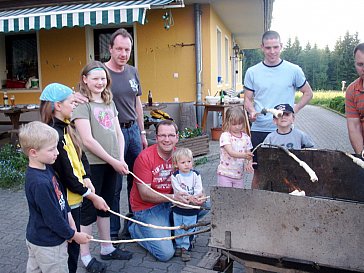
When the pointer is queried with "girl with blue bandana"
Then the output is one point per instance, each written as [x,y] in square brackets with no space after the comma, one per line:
[71,165]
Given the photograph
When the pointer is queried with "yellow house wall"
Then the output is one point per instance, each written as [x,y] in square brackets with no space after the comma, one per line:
[161,54]
[166,67]
[62,55]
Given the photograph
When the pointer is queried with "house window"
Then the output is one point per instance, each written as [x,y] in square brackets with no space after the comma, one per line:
[101,44]
[218,49]
[21,56]
[226,60]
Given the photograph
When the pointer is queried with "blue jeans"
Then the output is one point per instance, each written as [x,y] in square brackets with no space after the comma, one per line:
[133,147]
[157,215]
[178,219]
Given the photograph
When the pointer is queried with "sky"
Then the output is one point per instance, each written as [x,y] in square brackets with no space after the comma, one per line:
[318,21]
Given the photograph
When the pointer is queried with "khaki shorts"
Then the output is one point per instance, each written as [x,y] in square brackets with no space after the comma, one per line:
[50,259]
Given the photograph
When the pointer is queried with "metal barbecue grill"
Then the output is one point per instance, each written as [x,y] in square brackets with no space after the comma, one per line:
[271,230]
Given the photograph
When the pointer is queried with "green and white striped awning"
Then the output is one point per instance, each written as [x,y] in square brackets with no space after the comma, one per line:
[101,13]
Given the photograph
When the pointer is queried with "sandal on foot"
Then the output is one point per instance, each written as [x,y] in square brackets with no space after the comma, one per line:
[94,266]
[185,255]
[178,252]
[117,254]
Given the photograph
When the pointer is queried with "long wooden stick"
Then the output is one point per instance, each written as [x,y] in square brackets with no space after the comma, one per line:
[152,239]
[247,127]
[144,224]
[356,160]
[161,194]
[311,173]
[200,224]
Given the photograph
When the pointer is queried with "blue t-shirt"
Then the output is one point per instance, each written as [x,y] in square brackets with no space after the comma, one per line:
[272,85]
[48,222]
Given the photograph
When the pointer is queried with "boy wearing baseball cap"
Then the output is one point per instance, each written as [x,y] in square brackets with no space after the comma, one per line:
[285,135]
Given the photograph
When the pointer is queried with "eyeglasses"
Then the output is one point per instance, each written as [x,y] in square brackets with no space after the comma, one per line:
[167,136]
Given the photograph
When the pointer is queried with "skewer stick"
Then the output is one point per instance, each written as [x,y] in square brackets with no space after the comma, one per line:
[356,160]
[144,224]
[275,112]
[247,127]
[152,239]
[311,173]
[200,224]
[161,194]
[203,198]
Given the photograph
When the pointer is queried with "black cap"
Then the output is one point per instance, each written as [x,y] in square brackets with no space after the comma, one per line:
[284,108]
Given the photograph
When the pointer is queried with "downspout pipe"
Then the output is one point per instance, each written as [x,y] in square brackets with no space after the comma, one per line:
[198,59]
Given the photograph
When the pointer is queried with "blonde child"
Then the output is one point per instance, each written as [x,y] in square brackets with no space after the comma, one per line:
[235,154]
[71,165]
[98,126]
[50,223]
[188,182]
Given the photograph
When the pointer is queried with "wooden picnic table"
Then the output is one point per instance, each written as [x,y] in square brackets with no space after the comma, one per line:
[14,113]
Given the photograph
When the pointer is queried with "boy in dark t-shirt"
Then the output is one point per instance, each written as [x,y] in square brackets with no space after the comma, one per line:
[50,223]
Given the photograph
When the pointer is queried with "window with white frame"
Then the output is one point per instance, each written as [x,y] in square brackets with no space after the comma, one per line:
[219,52]
[226,76]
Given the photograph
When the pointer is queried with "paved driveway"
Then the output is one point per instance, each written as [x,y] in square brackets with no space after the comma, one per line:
[327,128]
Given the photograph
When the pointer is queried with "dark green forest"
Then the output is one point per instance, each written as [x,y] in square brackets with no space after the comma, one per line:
[324,69]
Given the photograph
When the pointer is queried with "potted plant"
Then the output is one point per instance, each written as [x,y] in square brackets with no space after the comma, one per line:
[195,140]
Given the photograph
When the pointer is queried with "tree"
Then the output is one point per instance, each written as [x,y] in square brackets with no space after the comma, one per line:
[324,69]
[251,57]
[291,51]
[343,52]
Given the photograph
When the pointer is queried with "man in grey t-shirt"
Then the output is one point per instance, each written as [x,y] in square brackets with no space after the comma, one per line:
[126,91]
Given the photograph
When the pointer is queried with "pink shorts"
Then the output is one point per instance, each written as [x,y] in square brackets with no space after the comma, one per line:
[224,181]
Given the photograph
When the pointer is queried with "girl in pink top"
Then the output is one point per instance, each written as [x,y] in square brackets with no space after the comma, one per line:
[235,146]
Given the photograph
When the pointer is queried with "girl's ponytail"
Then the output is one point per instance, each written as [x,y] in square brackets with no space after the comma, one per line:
[76,140]
[46,112]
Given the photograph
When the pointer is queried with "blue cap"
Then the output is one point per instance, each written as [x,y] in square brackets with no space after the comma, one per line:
[285,108]
[55,92]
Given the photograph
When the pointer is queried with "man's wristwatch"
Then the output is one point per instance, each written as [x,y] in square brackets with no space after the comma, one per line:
[362,154]
[143,132]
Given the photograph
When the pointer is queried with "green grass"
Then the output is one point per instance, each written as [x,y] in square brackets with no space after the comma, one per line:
[330,99]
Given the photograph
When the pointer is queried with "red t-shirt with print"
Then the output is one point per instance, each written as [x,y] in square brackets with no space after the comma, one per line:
[154,171]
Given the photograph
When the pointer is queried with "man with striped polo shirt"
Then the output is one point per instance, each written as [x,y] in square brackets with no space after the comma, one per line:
[354,103]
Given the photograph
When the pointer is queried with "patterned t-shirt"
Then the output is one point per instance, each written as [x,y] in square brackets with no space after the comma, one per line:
[101,117]
[231,166]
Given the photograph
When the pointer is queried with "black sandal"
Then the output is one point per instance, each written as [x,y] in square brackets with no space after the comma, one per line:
[94,266]
[117,254]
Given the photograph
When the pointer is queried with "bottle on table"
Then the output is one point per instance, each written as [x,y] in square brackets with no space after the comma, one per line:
[222,97]
[6,99]
[150,98]
[12,100]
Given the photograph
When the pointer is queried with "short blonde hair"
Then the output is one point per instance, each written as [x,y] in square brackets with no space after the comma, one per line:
[36,135]
[179,153]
